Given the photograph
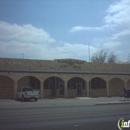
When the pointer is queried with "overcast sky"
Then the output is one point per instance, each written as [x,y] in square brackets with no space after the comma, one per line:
[52,29]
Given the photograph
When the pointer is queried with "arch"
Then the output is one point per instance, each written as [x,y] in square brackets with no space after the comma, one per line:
[97,83]
[53,87]
[6,87]
[29,81]
[100,77]
[28,75]
[76,87]
[116,86]
[97,87]
[53,76]
[69,77]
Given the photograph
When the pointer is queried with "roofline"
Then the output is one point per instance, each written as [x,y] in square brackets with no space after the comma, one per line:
[64,71]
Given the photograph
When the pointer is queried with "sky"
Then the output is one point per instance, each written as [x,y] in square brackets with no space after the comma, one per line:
[58,29]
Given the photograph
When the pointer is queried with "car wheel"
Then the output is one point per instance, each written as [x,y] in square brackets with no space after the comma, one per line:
[35,99]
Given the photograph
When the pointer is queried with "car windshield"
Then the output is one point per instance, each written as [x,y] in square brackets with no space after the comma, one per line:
[27,89]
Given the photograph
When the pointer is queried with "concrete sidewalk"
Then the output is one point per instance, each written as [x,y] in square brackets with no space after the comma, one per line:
[63,102]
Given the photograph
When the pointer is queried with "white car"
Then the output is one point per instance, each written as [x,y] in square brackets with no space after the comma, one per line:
[26,93]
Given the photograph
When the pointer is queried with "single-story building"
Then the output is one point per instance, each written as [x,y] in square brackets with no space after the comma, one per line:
[63,77]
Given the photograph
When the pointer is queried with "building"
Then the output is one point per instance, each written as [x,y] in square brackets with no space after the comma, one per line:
[63,78]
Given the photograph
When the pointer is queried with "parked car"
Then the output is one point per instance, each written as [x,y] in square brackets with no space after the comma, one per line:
[27,93]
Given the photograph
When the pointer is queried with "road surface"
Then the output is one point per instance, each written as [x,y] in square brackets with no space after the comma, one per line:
[96,117]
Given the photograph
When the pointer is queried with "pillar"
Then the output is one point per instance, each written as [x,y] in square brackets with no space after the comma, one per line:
[15,89]
[87,89]
[107,86]
[41,89]
[65,89]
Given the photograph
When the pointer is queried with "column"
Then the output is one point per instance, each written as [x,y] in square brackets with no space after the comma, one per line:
[107,86]
[88,89]
[15,89]
[41,89]
[65,89]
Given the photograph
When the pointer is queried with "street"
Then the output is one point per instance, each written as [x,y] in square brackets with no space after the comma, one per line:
[94,117]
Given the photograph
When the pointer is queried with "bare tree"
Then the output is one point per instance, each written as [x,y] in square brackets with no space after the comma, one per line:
[112,58]
[104,56]
[128,61]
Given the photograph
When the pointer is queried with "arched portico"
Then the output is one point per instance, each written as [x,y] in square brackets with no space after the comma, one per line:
[76,86]
[97,87]
[29,81]
[6,87]
[116,86]
[53,87]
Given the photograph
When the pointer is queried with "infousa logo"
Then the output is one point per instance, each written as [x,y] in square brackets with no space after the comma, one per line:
[122,124]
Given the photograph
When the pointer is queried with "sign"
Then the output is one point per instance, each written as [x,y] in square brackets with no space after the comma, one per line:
[76,64]
[123,124]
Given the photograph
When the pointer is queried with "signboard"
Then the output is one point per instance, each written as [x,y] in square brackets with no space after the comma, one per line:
[76,64]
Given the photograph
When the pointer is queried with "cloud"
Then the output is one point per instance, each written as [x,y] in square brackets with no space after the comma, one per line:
[120,34]
[24,33]
[16,39]
[76,51]
[111,44]
[118,13]
[81,28]
[114,34]
[36,44]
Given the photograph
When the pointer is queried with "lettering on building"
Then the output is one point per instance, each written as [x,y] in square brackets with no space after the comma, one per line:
[76,64]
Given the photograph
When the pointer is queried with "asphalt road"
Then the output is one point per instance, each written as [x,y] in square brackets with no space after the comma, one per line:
[96,117]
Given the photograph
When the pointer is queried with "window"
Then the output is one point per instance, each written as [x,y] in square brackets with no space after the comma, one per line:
[97,83]
[72,83]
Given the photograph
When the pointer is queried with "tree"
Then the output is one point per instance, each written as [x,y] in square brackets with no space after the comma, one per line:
[112,58]
[128,61]
[104,56]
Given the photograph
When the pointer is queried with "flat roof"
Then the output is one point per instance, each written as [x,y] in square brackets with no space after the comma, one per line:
[64,71]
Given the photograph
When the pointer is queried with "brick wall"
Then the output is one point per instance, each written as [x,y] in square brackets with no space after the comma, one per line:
[98,93]
[6,63]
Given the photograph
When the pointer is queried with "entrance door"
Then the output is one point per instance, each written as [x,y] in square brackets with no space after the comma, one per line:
[79,89]
[61,86]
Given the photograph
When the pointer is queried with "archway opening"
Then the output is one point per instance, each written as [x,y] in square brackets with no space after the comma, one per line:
[76,87]
[6,87]
[97,87]
[29,81]
[53,87]
[116,87]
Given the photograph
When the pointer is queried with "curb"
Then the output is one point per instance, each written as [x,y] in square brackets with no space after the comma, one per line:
[113,103]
